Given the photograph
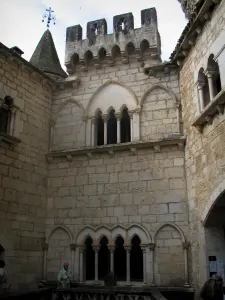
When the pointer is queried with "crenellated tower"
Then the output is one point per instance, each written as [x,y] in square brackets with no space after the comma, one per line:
[124,45]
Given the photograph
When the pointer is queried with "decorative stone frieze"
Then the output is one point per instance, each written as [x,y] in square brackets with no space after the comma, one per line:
[112,149]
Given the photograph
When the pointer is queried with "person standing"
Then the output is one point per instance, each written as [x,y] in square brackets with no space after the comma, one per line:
[64,277]
[3,276]
[212,289]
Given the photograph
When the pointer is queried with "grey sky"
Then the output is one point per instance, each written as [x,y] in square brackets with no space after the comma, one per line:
[20,20]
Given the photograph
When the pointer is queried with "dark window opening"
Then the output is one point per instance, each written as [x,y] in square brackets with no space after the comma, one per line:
[5,114]
[112,128]
[218,86]
[125,127]
[103,259]
[120,260]
[89,259]
[100,130]
[136,260]
[2,252]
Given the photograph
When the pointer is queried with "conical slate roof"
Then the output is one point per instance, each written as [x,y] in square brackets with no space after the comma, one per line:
[45,56]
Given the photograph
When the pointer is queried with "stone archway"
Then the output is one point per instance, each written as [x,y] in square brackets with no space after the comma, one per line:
[213,220]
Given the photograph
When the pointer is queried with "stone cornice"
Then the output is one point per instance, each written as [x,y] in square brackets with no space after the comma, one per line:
[214,107]
[89,151]
[165,67]
[193,30]
[9,139]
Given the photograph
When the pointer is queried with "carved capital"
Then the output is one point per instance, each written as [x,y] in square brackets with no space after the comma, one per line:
[131,114]
[127,248]
[125,61]
[199,128]
[111,248]
[180,146]
[151,246]
[220,109]
[96,248]
[208,119]
[105,118]
[198,30]
[138,109]
[89,155]
[133,151]
[45,246]
[157,148]
[185,245]
[49,159]
[69,157]
[73,247]
[81,249]
[209,72]
[118,116]
[111,153]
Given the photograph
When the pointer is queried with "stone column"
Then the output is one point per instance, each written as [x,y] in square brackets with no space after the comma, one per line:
[131,126]
[45,248]
[96,249]
[200,87]
[118,117]
[111,250]
[152,248]
[73,248]
[93,121]
[88,132]
[12,119]
[81,264]
[209,75]
[185,247]
[105,120]
[136,124]
[127,248]
[143,248]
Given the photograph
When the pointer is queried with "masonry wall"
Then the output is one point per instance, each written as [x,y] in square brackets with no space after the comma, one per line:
[204,156]
[23,175]
[147,188]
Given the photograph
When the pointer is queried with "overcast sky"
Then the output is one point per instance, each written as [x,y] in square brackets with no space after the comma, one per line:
[20,20]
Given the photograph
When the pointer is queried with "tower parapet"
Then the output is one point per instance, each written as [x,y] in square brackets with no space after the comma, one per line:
[124,43]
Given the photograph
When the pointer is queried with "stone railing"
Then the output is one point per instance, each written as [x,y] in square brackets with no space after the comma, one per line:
[112,293]
[38,294]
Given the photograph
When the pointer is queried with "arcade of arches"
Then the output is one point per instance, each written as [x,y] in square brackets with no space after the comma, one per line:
[126,262]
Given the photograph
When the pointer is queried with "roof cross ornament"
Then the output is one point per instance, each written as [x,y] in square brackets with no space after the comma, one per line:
[49,17]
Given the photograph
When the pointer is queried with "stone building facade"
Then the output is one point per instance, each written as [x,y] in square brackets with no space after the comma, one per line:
[102,168]
[201,56]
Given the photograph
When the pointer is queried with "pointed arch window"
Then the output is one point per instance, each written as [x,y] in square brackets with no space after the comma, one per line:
[136,260]
[120,265]
[89,260]
[112,128]
[100,128]
[125,126]
[103,259]
[5,115]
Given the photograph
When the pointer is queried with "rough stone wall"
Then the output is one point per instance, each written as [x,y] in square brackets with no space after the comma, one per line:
[148,189]
[69,130]
[23,175]
[58,252]
[169,258]
[158,117]
[204,156]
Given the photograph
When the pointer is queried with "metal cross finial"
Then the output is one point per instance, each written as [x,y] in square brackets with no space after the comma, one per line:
[49,17]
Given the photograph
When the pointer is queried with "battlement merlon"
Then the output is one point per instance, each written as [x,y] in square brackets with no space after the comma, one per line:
[124,39]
